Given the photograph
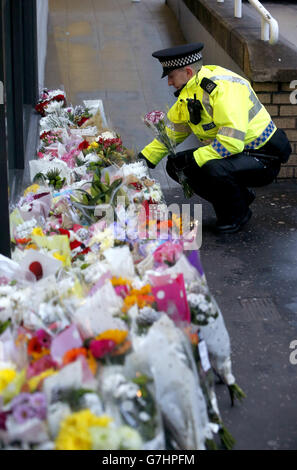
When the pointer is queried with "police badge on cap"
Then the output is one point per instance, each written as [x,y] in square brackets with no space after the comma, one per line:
[179,56]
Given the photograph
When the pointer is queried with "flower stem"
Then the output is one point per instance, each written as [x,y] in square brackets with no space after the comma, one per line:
[235,393]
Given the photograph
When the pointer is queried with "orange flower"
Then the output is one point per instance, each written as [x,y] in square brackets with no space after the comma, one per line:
[140,296]
[128,302]
[23,241]
[118,351]
[31,246]
[73,354]
[143,291]
[193,337]
[34,346]
[164,224]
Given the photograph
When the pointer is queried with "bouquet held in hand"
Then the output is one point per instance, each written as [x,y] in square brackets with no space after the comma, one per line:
[157,122]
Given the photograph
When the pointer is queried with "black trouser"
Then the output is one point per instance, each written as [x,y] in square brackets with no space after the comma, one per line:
[224,182]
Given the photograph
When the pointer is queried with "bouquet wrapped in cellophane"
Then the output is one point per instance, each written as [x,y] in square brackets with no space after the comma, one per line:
[157,122]
[101,318]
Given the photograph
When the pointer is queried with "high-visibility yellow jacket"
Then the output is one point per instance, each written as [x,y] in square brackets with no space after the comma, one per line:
[232,117]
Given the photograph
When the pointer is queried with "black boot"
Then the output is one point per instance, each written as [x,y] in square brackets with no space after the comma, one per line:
[234,226]
[251,195]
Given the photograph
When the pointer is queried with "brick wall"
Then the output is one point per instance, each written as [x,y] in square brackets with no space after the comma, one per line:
[276,98]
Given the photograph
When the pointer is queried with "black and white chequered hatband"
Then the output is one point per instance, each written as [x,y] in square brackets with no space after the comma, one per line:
[178,56]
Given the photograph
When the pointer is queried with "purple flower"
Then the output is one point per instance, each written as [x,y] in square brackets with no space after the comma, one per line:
[22,413]
[21,399]
[38,400]
[38,403]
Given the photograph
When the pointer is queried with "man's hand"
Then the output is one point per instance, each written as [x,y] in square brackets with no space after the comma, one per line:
[183,159]
[149,164]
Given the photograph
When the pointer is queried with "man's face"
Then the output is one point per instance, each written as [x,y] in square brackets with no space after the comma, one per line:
[179,77]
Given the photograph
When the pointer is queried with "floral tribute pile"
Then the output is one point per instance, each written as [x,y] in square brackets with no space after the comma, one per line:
[109,336]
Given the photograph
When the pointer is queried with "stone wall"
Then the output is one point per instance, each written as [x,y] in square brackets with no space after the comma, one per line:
[276,98]
[235,43]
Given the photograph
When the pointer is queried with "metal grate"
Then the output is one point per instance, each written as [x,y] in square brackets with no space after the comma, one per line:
[259,309]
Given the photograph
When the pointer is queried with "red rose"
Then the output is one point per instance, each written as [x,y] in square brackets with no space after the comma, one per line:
[74,244]
[63,231]
[40,107]
[58,98]
[83,145]
[82,121]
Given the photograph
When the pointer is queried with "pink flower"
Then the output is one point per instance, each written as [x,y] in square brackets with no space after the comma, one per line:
[39,366]
[102,347]
[154,117]
[122,291]
[168,253]
[44,338]
[70,158]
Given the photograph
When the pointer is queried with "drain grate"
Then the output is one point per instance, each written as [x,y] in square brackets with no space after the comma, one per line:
[259,309]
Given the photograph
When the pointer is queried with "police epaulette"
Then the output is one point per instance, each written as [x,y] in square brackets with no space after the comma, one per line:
[208,85]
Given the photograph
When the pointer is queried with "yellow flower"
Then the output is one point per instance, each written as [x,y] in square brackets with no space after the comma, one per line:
[14,382]
[120,281]
[36,356]
[118,336]
[178,223]
[93,145]
[6,376]
[128,302]
[38,231]
[35,381]
[74,430]
[92,363]
[31,189]
[145,290]
[55,243]
[60,257]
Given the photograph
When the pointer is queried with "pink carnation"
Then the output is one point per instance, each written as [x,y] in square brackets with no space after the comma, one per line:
[154,117]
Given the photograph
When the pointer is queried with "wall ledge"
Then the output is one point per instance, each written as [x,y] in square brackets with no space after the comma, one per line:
[240,38]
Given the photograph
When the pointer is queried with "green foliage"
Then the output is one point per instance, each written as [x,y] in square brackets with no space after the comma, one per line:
[4,325]
[236,393]
[72,397]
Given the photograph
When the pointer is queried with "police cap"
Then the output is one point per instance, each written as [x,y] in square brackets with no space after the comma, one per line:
[179,56]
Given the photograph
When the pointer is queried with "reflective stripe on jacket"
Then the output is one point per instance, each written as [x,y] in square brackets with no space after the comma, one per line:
[232,117]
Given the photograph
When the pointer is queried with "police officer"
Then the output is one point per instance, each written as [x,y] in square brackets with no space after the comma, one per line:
[242,146]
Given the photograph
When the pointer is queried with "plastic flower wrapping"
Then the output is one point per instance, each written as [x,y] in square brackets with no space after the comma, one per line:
[163,129]
[109,335]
